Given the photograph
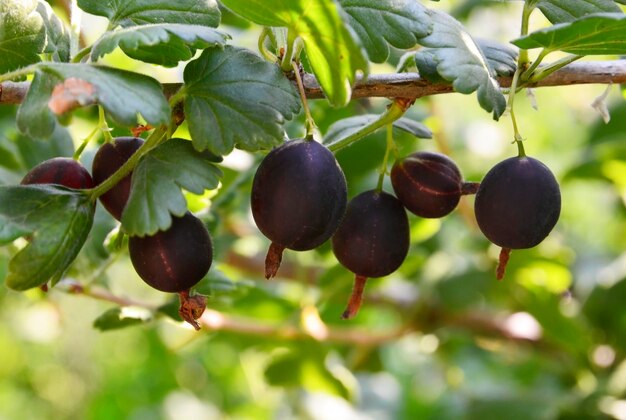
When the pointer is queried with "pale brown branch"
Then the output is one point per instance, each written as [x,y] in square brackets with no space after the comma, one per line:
[411,85]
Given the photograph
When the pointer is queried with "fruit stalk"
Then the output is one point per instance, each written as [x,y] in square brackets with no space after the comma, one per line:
[354,304]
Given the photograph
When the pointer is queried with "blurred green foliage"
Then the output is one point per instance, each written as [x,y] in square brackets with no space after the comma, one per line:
[548,342]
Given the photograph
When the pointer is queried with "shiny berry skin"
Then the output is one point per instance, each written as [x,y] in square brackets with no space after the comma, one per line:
[518,203]
[109,158]
[176,259]
[373,237]
[299,195]
[60,171]
[428,184]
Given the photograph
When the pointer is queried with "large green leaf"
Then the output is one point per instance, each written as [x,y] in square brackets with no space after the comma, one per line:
[348,126]
[157,182]
[333,52]
[141,12]
[234,98]
[123,94]
[399,23]
[460,61]
[22,34]
[500,57]
[165,44]
[597,34]
[558,11]
[56,221]
[57,34]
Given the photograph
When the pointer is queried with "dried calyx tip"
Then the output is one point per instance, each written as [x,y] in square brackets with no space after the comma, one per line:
[273,260]
[355,298]
[505,253]
[191,308]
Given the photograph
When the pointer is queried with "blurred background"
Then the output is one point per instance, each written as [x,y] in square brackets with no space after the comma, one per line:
[440,338]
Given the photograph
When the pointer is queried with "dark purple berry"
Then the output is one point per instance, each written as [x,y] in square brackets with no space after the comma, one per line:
[372,240]
[299,196]
[517,205]
[109,158]
[60,171]
[428,184]
[173,260]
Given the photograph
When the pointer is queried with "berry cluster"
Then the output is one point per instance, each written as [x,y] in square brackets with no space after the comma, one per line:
[299,198]
[173,260]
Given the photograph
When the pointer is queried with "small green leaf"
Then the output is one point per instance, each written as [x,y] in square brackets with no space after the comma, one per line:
[22,34]
[123,94]
[381,22]
[57,34]
[156,186]
[559,11]
[56,221]
[333,52]
[234,98]
[460,61]
[141,12]
[33,151]
[117,318]
[165,44]
[598,34]
[348,126]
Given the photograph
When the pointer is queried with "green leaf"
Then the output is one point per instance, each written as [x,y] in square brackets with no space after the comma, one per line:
[117,318]
[123,94]
[141,12]
[348,126]
[34,118]
[33,151]
[22,34]
[381,22]
[559,11]
[57,34]
[460,61]
[55,219]
[598,34]
[165,44]
[156,186]
[235,98]
[334,54]
[501,58]
[215,282]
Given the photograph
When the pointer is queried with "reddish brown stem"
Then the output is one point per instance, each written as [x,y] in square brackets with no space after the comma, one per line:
[191,307]
[273,260]
[355,299]
[469,188]
[44,287]
[505,253]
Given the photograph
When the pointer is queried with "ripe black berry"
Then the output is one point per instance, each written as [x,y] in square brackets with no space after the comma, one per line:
[109,158]
[371,241]
[517,205]
[299,196]
[61,171]
[428,184]
[176,259]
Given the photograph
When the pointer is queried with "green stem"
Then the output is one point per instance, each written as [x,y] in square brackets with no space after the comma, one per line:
[394,112]
[75,23]
[151,142]
[523,59]
[390,146]
[82,53]
[178,96]
[269,56]
[285,65]
[527,74]
[85,142]
[551,68]
[516,134]
[103,126]
[24,71]
[309,121]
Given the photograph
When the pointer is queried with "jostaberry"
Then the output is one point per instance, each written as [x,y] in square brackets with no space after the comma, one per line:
[61,171]
[299,195]
[371,241]
[517,205]
[109,158]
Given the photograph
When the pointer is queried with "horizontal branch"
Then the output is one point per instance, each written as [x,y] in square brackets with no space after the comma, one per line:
[411,85]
